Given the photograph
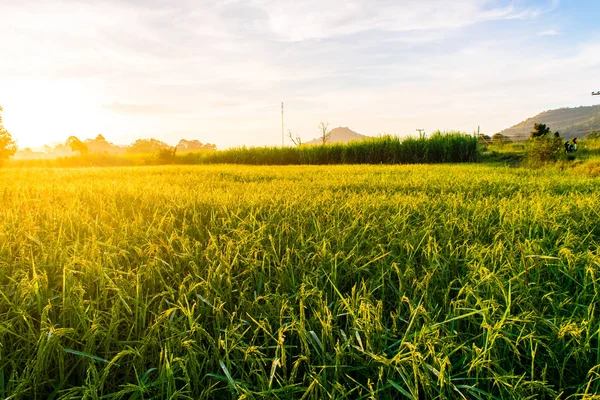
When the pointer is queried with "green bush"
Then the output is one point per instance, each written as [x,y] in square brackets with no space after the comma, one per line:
[544,146]
[440,147]
[544,149]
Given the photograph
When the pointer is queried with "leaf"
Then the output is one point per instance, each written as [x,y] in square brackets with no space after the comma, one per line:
[87,355]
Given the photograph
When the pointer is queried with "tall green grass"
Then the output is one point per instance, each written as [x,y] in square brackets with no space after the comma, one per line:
[452,147]
[219,282]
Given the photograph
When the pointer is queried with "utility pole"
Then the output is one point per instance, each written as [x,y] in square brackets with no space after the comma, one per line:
[420,132]
[282,134]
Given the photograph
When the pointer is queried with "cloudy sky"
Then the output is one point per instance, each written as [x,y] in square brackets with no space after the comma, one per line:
[218,70]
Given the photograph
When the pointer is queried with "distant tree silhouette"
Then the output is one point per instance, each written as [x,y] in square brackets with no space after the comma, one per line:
[147,146]
[188,146]
[324,131]
[101,145]
[539,130]
[167,155]
[297,140]
[77,145]
[500,139]
[8,147]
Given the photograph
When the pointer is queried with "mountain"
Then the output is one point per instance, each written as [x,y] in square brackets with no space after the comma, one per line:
[340,135]
[570,122]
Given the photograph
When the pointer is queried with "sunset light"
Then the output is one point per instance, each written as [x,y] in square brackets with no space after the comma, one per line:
[299,199]
[217,71]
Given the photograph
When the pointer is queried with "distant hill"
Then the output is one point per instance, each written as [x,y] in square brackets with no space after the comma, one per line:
[570,122]
[340,135]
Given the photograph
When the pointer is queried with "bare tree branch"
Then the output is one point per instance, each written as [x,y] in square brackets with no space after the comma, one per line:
[297,141]
[324,131]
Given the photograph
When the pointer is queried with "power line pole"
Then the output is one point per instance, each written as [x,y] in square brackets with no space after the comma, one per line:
[282,134]
[420,132]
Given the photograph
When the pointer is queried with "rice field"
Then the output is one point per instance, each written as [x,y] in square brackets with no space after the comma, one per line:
[299,282]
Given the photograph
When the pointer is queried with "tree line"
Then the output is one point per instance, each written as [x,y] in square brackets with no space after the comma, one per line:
[8,147]
[98,145]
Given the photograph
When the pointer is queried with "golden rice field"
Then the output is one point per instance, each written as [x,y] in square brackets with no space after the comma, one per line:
[320,282]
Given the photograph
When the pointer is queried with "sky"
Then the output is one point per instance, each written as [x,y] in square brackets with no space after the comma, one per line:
[217,71]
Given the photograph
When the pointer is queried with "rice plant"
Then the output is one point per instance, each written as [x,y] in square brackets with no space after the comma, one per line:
[303,282]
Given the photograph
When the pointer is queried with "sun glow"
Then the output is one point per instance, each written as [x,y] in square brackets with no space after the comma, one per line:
[37,112]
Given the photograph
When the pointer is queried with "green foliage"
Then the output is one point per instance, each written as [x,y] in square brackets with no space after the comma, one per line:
[219,282]
[539,130]
[544,147]
[452,147]
[500,140]
[595,135]
[543,150]
[438,148]
[8,147]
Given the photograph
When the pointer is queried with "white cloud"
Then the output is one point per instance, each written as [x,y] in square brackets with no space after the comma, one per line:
[316,19]
[549,32]
[221,67]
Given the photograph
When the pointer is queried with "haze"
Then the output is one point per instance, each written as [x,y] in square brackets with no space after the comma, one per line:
[218,71]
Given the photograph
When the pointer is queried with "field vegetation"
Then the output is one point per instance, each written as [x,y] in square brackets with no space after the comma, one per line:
[314,282]
[448,147]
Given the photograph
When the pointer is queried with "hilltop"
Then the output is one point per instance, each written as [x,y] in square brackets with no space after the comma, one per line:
[340,135]
[570,122]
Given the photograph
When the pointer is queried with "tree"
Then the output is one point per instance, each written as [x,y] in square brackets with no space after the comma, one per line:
[539,130]
[297,141]
[77,145]
[167,155]
[101,145]
[324,131]
[500,139]
[147,146]
[187,146]
[8,147]
[544,147]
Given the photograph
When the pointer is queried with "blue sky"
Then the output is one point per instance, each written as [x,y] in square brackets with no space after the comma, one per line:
[218,71]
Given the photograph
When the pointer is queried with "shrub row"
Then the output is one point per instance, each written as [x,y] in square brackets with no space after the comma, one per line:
[451,147]
[447,147]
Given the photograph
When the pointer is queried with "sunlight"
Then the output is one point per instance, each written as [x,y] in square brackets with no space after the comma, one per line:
[38,112]
[299,199]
